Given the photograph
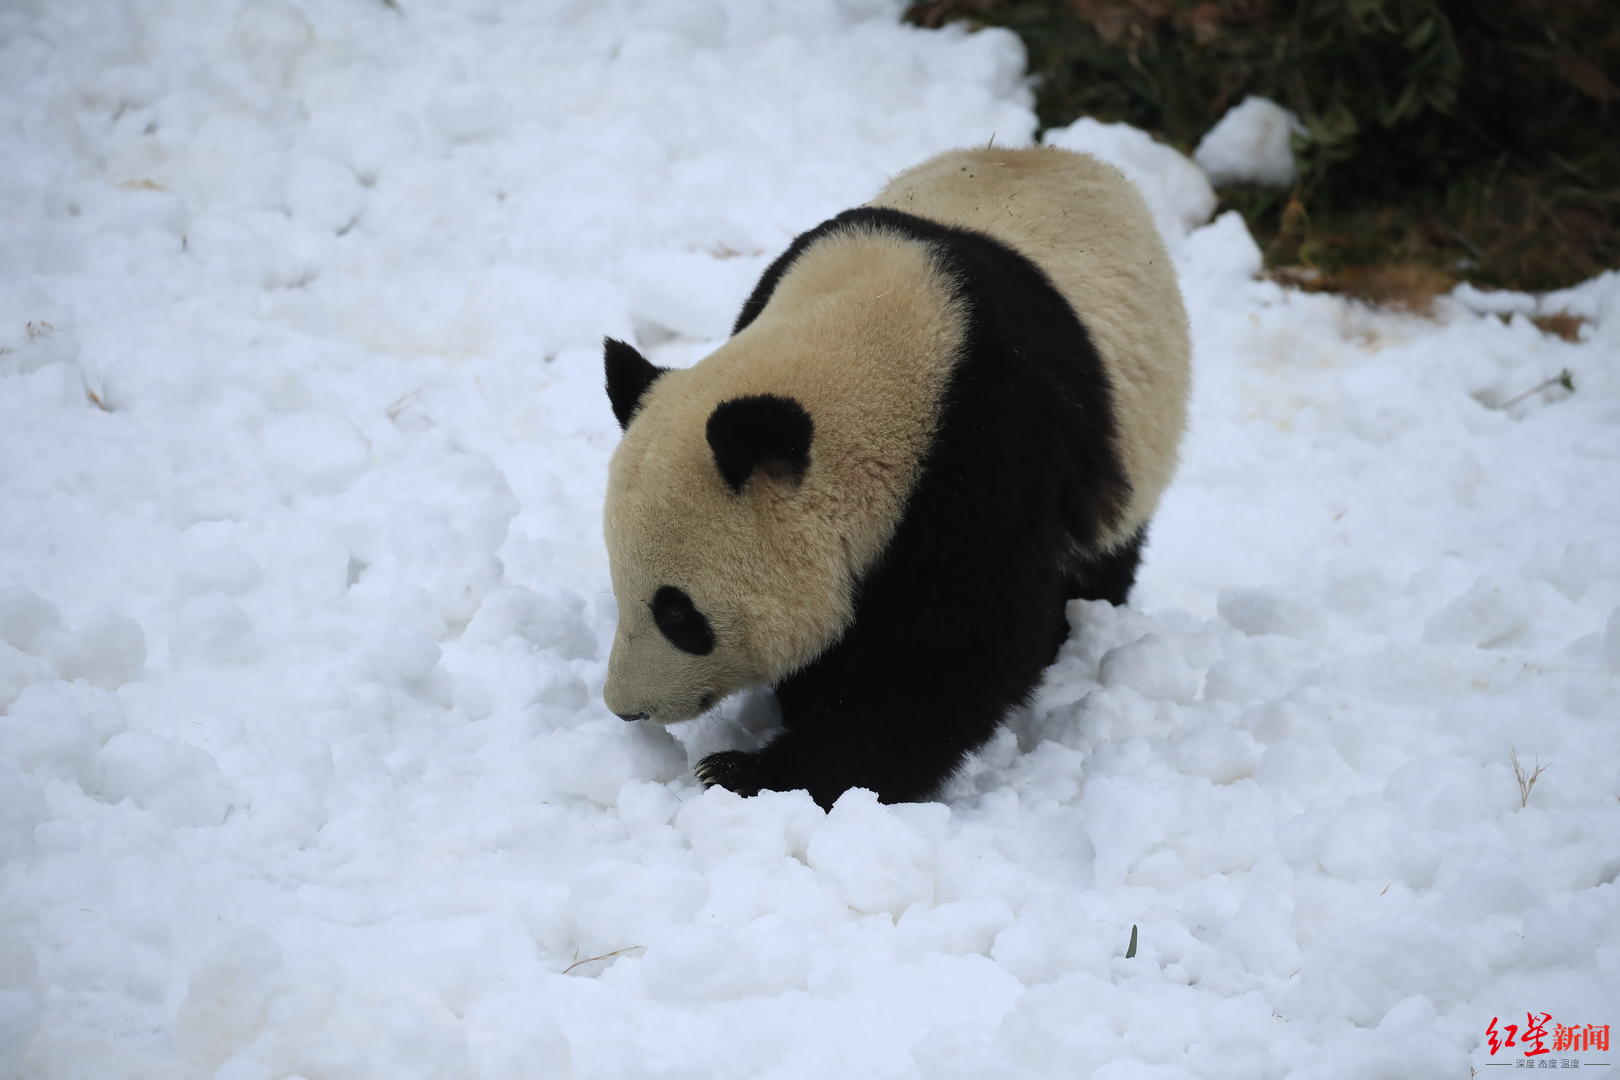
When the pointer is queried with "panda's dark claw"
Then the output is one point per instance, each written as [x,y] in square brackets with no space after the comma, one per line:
[733,770]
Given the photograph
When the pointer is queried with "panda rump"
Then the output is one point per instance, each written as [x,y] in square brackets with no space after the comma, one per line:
[957,407]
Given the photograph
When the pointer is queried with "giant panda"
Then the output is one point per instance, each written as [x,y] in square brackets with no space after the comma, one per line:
[939,417]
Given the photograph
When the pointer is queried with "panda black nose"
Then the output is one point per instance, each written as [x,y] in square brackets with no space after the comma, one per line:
[631,717]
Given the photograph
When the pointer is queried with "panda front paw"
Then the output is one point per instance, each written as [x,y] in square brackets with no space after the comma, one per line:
[733,770]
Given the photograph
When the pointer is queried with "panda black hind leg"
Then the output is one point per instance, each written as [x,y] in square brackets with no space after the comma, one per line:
[1110,575]
[1060,636]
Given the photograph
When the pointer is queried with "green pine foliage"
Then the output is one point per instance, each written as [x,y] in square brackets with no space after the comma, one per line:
[1473,140]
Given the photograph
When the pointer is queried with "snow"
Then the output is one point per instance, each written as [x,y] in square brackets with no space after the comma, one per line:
[1251,144]
[304,609]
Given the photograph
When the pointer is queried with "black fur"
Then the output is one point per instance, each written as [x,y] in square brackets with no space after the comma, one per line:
[629,374]
[1105,576]
[954,625]
[679,620]
[761,431]
[1109,575]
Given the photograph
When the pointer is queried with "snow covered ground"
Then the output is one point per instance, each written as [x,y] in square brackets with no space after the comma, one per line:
[304,609]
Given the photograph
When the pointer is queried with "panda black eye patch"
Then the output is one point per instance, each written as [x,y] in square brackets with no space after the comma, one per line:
[681,622]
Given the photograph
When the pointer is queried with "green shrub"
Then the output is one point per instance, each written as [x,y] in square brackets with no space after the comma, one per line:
[1478,139]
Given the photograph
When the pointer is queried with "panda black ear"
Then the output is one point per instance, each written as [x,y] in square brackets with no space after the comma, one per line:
[628,376]
[762,431]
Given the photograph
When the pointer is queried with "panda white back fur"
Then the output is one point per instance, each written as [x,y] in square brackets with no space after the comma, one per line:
[940,416]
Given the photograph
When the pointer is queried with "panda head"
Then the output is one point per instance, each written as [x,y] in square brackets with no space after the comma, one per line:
[726,574]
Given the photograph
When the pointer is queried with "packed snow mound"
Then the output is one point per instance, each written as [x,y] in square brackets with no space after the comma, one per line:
[304,610]
[1251,144]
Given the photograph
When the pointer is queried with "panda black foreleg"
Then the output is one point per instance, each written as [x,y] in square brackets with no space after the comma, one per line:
[902,756]
[951,633]
[897,719]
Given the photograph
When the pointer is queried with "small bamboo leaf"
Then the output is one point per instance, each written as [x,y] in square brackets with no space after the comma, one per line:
[1420,34]
[1130,950]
